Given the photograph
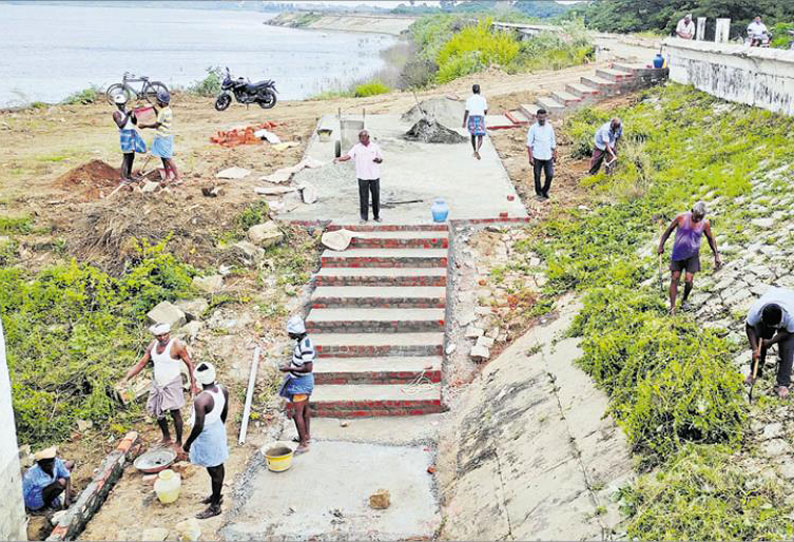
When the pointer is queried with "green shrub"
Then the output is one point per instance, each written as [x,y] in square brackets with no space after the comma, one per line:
[84,97]
[702,494]
[781,38]
[209,86]
[256,213]
[332,95]
[370,88]
[72,331]
[473,48]
[21,224]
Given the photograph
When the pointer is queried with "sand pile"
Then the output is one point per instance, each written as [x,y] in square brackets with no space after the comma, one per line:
[94,173]
[431,131]
[446,111]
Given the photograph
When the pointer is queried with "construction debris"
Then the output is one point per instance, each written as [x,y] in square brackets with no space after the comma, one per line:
[265,235]
[430,131]
[209,284]
[211,191]
[273,190]
[188,530]
[167,313]
[242,136]
[270,137]
[308,192]
[285,174]
[447,111]
[380,500]
[234,173]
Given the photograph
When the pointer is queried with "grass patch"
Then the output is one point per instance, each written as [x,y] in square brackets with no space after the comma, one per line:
[84,97]
[21,224]
[370,88]
[210,86]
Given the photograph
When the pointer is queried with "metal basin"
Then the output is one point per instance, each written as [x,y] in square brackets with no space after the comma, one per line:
[155,460]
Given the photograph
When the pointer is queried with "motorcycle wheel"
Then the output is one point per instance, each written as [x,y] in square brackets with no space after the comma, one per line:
[150,93]
[223,102]
[267,100]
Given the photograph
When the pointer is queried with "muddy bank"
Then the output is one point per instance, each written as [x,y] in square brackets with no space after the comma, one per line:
[393,25]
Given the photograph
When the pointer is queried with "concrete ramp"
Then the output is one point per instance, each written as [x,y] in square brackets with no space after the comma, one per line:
[528,454]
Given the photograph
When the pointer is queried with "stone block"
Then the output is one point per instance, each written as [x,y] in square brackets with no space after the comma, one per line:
[167,313]
[190,331]
[473,332]
[193,308]
[188,530]
[380,500]
[487,342]
[156,534]
[209,284]
[265,235]
[480,353]
[249,250]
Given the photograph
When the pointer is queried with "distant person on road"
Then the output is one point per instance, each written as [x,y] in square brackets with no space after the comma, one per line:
[206,445]
[606,145]
[757,32]
[129,138]
[685,29]
[166,355]
[299,381]
[367,157]
[44,482]
[542,151]
[771,321]
[163,143]
[474,118]
[690,228]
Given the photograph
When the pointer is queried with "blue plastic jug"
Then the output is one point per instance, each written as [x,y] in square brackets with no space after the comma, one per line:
[440,210]
[658,61]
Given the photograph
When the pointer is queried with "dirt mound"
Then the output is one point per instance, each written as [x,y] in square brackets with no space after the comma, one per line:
[446,111]
[430,131]
[95,172]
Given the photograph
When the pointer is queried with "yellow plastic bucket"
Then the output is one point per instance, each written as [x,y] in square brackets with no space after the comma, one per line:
[279,458]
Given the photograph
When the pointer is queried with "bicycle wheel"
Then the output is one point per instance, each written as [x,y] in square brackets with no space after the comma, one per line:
[150,91]
[115,89]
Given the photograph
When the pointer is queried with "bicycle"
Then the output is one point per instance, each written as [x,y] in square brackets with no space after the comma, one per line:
[148,91]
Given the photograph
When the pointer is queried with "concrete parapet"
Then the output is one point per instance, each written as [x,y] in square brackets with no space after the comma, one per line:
[750,75]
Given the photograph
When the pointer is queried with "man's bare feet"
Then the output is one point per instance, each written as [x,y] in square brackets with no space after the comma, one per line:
[166,441]
[302,449]
[782,392]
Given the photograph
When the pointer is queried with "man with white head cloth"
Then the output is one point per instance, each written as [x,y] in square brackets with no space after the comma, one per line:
[166,355]
[206,444]
[686,250]
[299,381]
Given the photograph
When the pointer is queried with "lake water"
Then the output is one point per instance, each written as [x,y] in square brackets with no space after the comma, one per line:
[49,52]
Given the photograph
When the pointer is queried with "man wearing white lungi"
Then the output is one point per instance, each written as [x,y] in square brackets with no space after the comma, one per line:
[206,444]
[166,355]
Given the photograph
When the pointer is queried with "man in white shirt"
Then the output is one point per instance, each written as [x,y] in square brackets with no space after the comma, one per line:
[542,151]
[771,321]
[367,158]
[606,145]
[474,118]
[685,29]
[756,31]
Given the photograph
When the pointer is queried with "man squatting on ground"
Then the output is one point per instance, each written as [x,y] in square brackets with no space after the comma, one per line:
[474,118]
[206,444]
[367,157]
[129,138]
[542,151]
[166,394]
[690,228]
[771,321]
[45,481]
[299,381]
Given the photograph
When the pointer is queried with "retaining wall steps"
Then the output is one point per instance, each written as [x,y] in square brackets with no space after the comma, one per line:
[619,78]
[378,319]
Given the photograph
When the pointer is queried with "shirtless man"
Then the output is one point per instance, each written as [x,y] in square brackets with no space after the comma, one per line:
[166,395]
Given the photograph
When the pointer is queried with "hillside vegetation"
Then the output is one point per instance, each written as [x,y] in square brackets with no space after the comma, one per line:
[672,386]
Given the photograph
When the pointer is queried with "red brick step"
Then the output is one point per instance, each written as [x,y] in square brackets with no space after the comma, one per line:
[377,320]
[379,257]
[380,276]
[427,297]
[356,401]
[353,345]
[386,370]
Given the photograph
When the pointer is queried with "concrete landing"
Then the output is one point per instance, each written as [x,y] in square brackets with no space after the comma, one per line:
[325,497]
[411,171]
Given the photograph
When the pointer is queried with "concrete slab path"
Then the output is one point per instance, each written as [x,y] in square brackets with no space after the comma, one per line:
[325,496]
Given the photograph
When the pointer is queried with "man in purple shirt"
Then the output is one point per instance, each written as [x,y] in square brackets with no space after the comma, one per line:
[686,250]
[367,157]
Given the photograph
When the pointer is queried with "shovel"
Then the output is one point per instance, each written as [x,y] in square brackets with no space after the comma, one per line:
[610,165]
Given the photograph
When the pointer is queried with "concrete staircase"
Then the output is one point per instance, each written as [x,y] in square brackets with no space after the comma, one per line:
[377,319]
[619,78]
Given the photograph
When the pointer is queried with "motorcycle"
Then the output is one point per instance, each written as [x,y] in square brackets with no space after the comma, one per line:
[261,92]
[758,41]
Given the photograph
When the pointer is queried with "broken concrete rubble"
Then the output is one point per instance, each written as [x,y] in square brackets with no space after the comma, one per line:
[380,500]
[265,235]
[233,173]
[480,353]
[167,313]
[209,284]
[193,308]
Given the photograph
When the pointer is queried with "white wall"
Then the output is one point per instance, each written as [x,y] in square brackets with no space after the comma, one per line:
[12,511]
[750,75]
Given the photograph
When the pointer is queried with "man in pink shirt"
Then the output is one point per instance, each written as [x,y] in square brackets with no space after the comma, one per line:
[367,157]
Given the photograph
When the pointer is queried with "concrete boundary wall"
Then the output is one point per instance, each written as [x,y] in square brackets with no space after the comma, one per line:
[738,73]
